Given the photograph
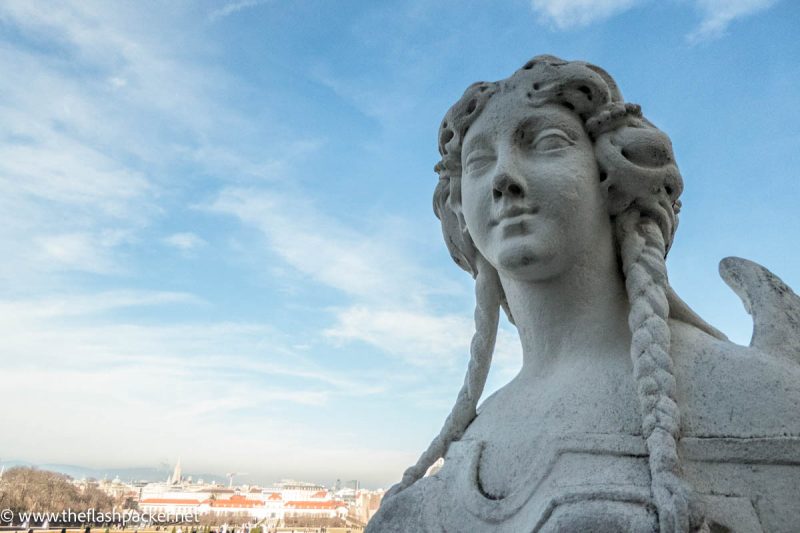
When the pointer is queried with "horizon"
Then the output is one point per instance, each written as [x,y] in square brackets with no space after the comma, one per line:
[218,231]
[79,472]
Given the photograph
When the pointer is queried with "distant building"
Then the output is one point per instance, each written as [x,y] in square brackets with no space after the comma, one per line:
[237,504]
[171,506]
[315,509]
[119,490]
[361,504]
[292,490]
[287,499]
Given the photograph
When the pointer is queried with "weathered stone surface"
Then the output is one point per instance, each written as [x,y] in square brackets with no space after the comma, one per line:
[630,412]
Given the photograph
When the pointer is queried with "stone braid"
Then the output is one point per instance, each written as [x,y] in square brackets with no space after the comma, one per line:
[488,294]
[642,250]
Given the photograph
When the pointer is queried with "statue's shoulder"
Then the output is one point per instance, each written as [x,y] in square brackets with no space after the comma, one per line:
[727,390]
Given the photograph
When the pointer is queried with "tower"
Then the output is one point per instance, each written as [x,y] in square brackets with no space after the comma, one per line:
[176,474]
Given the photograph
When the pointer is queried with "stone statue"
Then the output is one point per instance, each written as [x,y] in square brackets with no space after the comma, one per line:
[630,413]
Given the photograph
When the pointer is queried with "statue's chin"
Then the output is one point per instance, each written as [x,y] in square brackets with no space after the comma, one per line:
[526,261]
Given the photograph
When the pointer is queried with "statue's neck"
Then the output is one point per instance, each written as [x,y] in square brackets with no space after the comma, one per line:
[582,313]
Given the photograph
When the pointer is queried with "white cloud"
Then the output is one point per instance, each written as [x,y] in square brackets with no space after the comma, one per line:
[98,115]
[80,251]
[238,168]
[119,44]
[55,168]
[186,241]
[91,131]
[719,14]
[76,304]
[386,103]
[233,7]
[424,339]
[103,407]
[185,386]
[74,332]
[66,190]
[569,14]
[366,263]
[392,308]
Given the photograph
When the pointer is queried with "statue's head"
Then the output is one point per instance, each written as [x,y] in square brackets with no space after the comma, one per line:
[553,140]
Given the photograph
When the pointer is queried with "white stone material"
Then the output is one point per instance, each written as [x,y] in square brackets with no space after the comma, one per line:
[630,413]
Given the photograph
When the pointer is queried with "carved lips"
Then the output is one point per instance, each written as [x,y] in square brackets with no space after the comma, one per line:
[514,220]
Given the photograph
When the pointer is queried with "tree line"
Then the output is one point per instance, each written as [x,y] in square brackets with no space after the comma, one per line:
[26,489]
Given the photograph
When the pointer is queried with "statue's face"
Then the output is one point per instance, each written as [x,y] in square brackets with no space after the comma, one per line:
[529,189]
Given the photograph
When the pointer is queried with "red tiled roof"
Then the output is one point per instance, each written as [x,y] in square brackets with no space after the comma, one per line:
[275,496]
[236,501]
[169,501]
[319,494]
[330,504]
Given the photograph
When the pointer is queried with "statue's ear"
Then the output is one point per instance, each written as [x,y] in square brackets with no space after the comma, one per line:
[447,206]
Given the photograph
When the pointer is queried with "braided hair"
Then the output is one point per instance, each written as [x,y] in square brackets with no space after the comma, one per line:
[641,185]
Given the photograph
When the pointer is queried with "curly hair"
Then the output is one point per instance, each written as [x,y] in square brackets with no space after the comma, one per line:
[641,185]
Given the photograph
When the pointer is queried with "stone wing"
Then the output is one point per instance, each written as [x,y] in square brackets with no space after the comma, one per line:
[775,308]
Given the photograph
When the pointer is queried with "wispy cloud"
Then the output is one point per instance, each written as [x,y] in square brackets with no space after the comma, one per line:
[258,168]
[385,102]
[184,241]
[423,339]
[234,7]
[392,297]
[177,383]
[92,252]
[569,14]
[66,191]
[368,264]
[93,121]
[431,341]
[718,15]
[100,107]
[81,304]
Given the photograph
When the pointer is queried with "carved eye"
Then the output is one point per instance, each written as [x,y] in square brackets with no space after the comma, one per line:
[550,140]
[478,160]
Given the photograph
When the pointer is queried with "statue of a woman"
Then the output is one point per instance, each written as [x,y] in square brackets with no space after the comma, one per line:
[630,413]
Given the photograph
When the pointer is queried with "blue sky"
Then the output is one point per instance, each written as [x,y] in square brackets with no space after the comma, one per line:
[217,231]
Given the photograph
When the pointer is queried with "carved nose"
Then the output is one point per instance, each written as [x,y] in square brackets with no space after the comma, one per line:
[505,185]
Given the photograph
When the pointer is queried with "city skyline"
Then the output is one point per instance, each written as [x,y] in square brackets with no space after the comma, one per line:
[164,471]
[47,498]
[218,231]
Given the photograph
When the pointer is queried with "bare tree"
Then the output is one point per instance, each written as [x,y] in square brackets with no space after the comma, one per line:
[29,489]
